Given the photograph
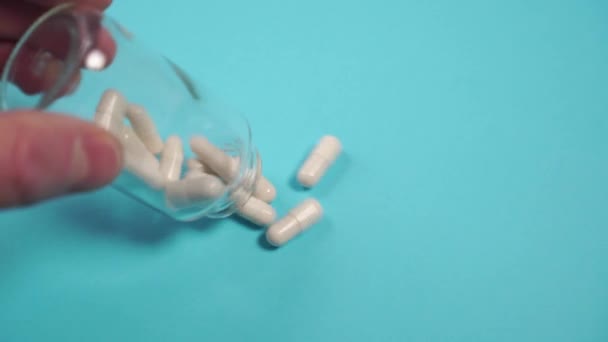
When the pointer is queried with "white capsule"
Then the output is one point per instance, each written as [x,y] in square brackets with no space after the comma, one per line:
[264,189]
[257,212]
[253,209]
[195,164]
[319,160]
[139,161]
[144,127]
[194,189]
[171,159]
[214,158]
[296,221]
[111,111]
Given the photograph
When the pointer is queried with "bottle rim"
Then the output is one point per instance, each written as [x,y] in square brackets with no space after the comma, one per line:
[71,60]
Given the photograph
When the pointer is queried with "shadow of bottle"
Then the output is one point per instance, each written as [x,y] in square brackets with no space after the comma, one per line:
[111,214]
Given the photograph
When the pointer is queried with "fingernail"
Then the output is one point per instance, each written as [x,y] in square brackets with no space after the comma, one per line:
[104,157]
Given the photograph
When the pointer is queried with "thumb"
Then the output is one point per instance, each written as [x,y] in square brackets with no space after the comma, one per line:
[46,155]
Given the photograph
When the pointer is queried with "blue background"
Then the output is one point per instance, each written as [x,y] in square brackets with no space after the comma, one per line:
[470,203]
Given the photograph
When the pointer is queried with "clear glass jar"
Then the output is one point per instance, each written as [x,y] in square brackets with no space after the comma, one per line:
[72,57]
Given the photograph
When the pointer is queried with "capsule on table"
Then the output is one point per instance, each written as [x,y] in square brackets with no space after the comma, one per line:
[295,222]
[144,128]
[319,160]
[257,211]
[192,190]
[171,159]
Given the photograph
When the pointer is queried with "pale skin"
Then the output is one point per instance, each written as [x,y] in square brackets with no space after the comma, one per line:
[47,155]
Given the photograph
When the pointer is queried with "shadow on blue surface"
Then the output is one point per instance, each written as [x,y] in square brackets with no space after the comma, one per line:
[263,243]
[262,230]
[241,221]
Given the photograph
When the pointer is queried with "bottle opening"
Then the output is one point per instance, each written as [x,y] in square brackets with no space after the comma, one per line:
[45,63]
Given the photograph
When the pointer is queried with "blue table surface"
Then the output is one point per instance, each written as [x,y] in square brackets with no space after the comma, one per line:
[470,203]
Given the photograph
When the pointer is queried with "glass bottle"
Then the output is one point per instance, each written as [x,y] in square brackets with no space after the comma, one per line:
[77,60]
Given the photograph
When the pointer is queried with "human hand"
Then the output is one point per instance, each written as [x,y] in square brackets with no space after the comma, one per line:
[46,155]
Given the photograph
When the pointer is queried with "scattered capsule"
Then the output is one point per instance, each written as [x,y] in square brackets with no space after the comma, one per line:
[263,189]
[214,158]
[195,167]
[139,161]
[195,164]
[295,222]
[194,189]
[210,170]
[253,209]
[144,127]
[171,159]
[319,160]
[257,212]
[110,111]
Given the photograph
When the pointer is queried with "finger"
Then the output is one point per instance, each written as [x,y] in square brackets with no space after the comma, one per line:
[55,34]
[47,155]
[16,17]
[107,45]
[5,51]
[56,37]
[34,72]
